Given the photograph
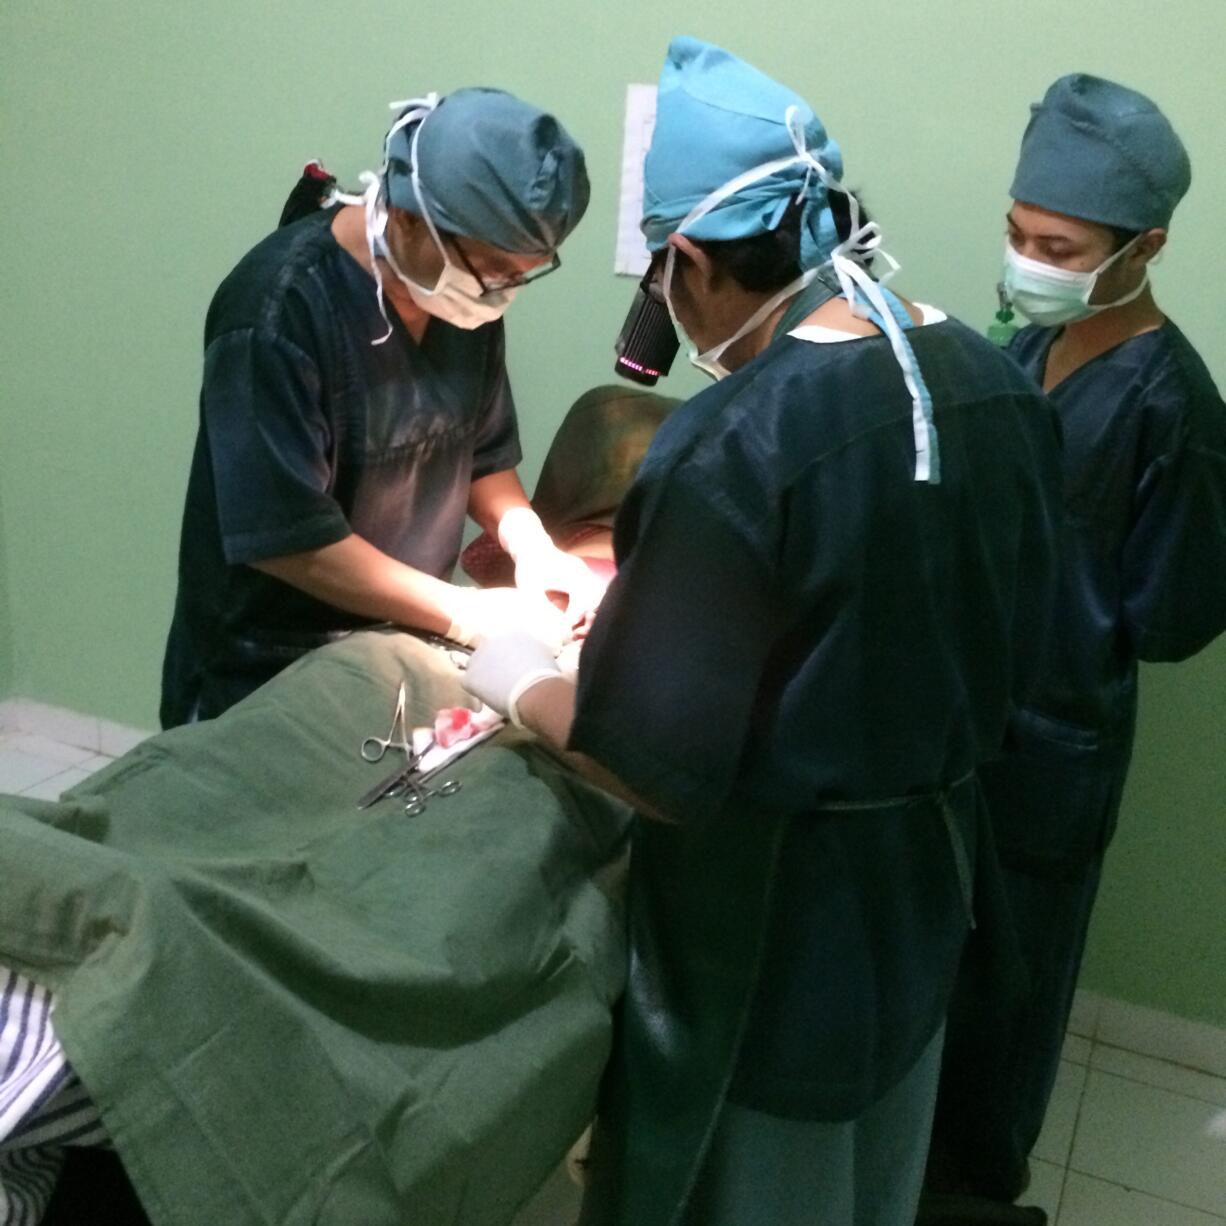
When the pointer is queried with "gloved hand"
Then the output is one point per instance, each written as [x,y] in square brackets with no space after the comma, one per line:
[541,567]
[505,667]
[477,613]
[554,571]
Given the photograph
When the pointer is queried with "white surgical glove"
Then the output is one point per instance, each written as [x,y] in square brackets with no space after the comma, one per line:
[505,667]
[476,613]
[540,566]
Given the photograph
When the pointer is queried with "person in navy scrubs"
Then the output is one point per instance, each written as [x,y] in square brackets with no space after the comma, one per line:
[835,567]
[1143,578]
[355,407]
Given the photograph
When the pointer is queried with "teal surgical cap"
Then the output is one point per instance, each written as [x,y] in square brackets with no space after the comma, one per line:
[494,169]
[716,118]
[1103,153]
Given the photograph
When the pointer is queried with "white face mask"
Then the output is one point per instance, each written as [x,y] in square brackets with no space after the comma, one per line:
[709,360]
[456,297]
[1051,296]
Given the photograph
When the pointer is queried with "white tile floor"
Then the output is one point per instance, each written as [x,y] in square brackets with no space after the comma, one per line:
[1129,1140]
[38,766]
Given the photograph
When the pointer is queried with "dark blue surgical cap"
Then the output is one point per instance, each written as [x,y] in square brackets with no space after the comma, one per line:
[494,169]
[1104,153]
[717,117]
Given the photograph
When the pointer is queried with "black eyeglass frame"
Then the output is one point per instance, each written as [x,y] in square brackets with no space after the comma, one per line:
[515,281]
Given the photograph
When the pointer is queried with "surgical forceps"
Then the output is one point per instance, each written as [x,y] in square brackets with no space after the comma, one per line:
[412,783]
[418,793]
[374,747]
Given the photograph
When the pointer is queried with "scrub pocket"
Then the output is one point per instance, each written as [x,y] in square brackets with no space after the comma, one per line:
[1054,795]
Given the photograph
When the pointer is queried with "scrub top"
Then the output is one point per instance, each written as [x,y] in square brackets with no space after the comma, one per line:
[1144,573]
[798,627]
[1143,577]
[795,617]
[309,432]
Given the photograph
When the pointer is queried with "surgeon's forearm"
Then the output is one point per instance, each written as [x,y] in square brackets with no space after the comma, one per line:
[355,576]
[490,498]
[548,709]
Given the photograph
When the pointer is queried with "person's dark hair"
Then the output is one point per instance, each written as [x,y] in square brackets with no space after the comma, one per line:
[1121,237]
[767,262]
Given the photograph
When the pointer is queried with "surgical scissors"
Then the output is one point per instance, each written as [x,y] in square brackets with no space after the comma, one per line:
[419,794]
[374,747]
[416,784]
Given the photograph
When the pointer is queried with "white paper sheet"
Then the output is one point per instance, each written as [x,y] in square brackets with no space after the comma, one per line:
[632,257]
[436,756]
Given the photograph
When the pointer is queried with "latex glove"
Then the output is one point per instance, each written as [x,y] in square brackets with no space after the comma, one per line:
[478,613]
[541,567]
[505,667]
[555,571]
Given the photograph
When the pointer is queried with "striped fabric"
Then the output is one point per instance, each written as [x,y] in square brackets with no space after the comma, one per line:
[43,1105]
[27,1179]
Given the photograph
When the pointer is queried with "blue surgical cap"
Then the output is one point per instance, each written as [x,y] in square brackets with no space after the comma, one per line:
[494,169]
[717,117]
[1103,153]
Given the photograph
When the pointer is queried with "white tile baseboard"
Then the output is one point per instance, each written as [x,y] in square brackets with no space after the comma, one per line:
[69,727]
[1087,1008]
[1163,1036]
[1149,1032]
[116,739]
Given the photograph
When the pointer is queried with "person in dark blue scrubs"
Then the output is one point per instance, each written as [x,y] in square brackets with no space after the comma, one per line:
[834,571]
[342,444]
[1144,578]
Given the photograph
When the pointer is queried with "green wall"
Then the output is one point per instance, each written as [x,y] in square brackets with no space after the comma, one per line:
[147,145]
[6,632]
[1159,933]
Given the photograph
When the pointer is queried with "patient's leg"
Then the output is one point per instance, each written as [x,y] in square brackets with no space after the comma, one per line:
[43,1106]
[27,1180]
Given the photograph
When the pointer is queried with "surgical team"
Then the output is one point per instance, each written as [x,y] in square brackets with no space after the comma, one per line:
[868,667]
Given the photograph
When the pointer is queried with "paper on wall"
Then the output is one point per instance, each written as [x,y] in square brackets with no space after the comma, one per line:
[632,257]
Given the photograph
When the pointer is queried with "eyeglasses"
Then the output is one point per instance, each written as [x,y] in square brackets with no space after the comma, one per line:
[513,281]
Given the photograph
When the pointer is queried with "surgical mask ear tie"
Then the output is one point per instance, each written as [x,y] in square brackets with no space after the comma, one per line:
[375,226]
[415,110]
[1052,296]
[420,108]
[415,175]
[815,168]
[854,280]
[1132,294]
[803,193]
